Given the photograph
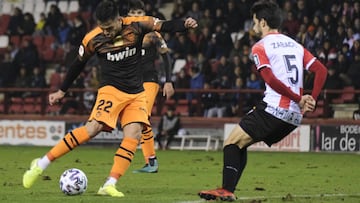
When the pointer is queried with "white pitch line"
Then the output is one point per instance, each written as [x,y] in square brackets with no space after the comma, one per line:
[282,196]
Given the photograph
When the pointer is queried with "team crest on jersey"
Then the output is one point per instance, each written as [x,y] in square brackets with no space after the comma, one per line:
[256,59]
[118,41]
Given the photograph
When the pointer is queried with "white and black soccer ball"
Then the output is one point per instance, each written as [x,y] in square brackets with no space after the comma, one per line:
[73,182]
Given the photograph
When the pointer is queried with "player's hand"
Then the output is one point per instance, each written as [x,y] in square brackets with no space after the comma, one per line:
[307,103]
[168,90]
[55,97]
[190,23]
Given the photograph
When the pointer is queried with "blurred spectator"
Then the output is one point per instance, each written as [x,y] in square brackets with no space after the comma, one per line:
[196,82]
[182,81]
[342,66]
[333,80]
[338,38]
[327,54]
[183,46]
[22,81]
[37,80]
[194,12]
[301,10]
[206,20]
[208,99]
[253,82]
[329,24]
[353,73]
[178,11]
[169,126]
[223,68]
[40,25]
[150,10]
[53,20]
[233,17]
[204,40]
[7,75]
[222,107]
[27,55]
[16,20]
[291,25]
[350,37]
[237,101]
[57,78]
[63,32]
[28,25]
[223,41]
[92,81]
[310,40]
[356,48]
[73,100]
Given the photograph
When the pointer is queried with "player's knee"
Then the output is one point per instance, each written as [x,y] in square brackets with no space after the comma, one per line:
[94,127]
[238,137]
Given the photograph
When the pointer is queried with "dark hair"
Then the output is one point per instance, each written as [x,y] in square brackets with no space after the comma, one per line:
[269,11]
[106,10]
[136,4]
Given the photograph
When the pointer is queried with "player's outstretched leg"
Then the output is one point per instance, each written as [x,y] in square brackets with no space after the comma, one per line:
[69,142]
[31,175]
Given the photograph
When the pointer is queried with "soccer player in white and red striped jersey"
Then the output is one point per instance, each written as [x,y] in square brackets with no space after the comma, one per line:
[281,62]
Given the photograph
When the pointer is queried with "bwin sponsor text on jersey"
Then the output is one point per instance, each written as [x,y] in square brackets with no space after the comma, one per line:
[121,55]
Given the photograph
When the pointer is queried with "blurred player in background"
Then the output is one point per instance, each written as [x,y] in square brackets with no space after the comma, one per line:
[280,61]
[117,43]
[153,44]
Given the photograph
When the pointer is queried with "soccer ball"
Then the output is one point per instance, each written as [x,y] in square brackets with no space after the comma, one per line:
[73,182]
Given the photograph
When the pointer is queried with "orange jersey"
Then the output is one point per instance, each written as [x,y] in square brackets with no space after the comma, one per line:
[119,57]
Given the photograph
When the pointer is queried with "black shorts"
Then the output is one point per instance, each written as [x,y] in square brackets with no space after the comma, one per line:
[262,126]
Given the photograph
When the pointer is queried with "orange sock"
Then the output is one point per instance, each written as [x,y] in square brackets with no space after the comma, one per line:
[68,143]
[147,144]
[123,157]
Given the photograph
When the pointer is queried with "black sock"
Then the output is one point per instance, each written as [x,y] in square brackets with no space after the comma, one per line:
[234,163]
[152,161]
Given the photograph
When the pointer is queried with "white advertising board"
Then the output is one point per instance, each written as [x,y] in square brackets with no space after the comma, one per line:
[297,141]
[39,133]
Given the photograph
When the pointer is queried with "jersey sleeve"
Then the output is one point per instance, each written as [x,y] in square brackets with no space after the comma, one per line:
[86,49]
[147,23]
[309,59]
[259,56]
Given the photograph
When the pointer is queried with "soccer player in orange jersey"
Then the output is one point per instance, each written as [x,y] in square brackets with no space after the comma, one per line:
[153,44]
[281,62]
[117,43]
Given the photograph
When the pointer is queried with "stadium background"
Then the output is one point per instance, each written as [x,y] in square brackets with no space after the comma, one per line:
[35,54]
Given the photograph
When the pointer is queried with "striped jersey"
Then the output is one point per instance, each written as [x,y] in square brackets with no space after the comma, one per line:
[287,59]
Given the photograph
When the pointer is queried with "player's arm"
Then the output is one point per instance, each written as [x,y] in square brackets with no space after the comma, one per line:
[277,85]
[320,71]
[85,51]
[168,89]
[149,24]
[177,25]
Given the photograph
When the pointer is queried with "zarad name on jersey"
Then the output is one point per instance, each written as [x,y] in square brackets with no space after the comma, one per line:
[282,44]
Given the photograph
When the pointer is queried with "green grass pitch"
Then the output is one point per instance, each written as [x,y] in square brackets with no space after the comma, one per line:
[269,176]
